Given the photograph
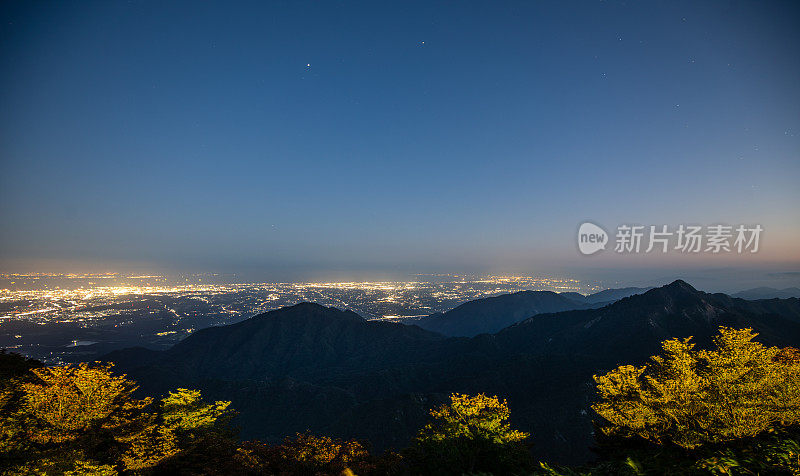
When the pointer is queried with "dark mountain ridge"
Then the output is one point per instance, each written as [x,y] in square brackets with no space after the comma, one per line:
[490,315]
[633,327]
[768,293]
[606,296]
[299,341]
[312,367]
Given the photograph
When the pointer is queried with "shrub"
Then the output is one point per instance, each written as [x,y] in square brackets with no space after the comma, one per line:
[470,434]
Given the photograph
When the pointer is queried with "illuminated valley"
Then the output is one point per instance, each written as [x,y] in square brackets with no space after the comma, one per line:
[66,317]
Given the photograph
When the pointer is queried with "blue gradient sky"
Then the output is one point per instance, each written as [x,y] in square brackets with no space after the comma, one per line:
[193,135]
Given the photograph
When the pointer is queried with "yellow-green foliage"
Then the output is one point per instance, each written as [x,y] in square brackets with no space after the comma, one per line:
[66,465]
[318,451]
[309,454]
[82,419]
[470,434]
[184,410]
[67,401]
[692,397]
[147,447]
[472,417]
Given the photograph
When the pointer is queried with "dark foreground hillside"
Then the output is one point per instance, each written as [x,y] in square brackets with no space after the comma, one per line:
[308,367]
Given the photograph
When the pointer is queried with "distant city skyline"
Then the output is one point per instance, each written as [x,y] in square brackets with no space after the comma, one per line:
[363,140]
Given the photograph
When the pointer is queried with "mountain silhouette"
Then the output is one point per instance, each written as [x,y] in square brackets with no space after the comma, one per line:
[611,295]
[633,327]
[574,296]
[768,293]
[490,315]
[302,341]
[330,371]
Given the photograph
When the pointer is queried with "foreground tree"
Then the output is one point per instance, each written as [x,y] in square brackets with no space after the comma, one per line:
[732,409]
[83,419]
[468,435]
[307,454]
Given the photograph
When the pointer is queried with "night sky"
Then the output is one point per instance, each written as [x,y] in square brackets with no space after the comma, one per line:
[290,139]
